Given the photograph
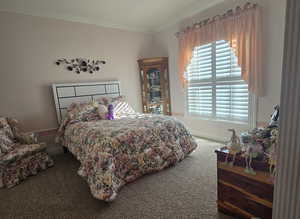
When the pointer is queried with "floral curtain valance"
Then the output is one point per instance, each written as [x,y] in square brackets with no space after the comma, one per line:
[241,28]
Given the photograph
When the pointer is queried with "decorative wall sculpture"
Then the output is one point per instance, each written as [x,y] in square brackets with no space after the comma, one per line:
[81,65]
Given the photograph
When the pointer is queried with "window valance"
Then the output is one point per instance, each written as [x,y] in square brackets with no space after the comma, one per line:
[241,28]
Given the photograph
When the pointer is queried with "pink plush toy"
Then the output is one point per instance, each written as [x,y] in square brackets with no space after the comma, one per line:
[110,114]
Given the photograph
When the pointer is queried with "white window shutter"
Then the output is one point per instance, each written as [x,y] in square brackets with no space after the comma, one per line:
[226,61]
[201,64]
[215,88]
[232,101]
[200,100]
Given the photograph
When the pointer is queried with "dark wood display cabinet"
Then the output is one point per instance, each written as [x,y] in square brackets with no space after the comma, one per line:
[155,85]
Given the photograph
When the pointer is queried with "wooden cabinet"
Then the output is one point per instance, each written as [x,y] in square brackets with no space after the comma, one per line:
[155,85]
[241,194]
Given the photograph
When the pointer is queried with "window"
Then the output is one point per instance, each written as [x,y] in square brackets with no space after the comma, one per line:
[215,87]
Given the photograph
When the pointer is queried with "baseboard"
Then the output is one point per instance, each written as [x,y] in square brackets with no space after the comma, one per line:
[207,136]
[47,132]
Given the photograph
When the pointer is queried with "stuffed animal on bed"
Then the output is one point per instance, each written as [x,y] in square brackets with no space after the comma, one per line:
[102,111]
[110,113]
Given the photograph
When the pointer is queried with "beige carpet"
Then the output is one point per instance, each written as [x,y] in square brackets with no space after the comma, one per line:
[187,190]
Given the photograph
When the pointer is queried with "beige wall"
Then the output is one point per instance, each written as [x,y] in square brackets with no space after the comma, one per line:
[273,36]
[29,47]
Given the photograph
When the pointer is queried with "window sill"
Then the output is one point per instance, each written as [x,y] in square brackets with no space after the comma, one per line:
[217,120]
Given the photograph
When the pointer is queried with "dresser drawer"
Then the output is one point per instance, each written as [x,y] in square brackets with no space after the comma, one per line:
[257,188]
[248,203]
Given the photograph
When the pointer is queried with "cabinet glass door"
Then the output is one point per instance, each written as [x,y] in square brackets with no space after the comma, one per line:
[155,101]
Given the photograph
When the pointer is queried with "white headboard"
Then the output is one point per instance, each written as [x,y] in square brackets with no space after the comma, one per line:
[66,94]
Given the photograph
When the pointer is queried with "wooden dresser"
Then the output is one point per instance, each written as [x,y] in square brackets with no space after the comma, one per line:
[241,194]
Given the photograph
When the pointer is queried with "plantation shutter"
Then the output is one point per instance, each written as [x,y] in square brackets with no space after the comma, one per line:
[215,88]
[200,98]
[226,61]
[232,101]
[200,68]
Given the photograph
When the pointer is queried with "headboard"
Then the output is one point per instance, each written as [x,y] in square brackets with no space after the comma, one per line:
[66,94]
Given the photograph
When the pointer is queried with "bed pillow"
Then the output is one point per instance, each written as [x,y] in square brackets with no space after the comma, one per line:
[122,108]
[109,100]
[83,111]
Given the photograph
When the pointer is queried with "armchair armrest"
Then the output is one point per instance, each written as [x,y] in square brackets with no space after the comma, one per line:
[28,138]
[21,136]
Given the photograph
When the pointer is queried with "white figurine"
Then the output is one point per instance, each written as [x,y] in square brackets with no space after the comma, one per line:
[275,117]
[234,147]
[253,150]
[271,154]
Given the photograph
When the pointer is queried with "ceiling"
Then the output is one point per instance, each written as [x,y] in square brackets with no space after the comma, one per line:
[137,15]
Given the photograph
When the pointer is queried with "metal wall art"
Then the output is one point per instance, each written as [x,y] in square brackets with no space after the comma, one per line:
[81,65]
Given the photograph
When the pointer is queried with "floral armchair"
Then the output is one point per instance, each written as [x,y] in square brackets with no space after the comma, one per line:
[20,154]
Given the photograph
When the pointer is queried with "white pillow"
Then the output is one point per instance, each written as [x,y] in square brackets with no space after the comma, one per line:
[122,108]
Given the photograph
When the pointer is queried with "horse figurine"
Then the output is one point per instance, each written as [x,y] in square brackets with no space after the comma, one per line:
[234,147]
[271,154]
[253,150]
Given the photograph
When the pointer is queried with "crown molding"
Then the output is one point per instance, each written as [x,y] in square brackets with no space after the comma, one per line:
[189,12]
[184,13]
[83,20]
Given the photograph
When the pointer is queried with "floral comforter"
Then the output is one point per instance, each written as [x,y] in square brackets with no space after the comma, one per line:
[113,153]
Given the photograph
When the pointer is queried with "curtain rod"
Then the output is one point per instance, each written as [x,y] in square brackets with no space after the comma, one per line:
[229,13]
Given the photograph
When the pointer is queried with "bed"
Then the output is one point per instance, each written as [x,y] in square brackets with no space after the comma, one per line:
[115,152]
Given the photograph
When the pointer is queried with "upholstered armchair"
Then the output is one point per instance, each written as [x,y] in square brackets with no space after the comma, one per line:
[20,154]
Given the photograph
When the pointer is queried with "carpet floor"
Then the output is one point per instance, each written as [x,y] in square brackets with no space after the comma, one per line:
[187,190]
